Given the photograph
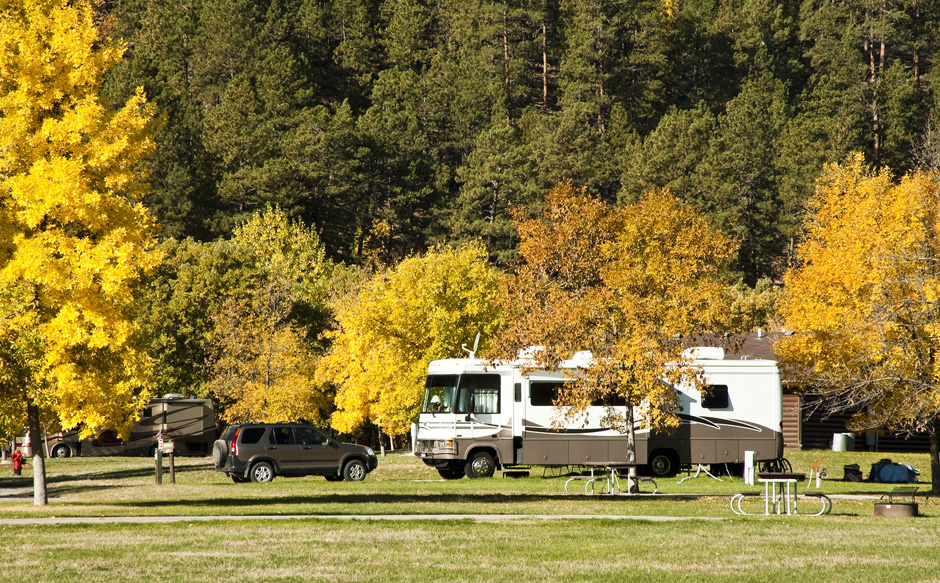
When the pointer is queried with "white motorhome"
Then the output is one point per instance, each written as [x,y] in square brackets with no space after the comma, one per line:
[189,423]
[478,417]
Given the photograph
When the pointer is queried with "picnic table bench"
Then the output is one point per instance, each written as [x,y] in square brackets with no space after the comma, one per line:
[736,500]
[609,481]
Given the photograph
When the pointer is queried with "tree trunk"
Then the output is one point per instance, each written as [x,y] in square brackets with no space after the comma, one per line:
[631,443]
[39,459]
[544,67]
[935,457]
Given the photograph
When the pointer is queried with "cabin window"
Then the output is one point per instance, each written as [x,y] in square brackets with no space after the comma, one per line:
[478,393]
[716,397]
[544,393]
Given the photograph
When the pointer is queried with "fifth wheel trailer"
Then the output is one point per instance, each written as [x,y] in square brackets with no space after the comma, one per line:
[479,416]
[189,423]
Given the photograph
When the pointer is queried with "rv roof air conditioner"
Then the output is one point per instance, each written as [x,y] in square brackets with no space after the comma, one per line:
[705,353]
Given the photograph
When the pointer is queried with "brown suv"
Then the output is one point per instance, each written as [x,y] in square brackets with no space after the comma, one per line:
[256,452]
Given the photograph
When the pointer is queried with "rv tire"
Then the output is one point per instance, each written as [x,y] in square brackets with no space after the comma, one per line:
[61,450]
[663,464]
[451,473]
[480,465]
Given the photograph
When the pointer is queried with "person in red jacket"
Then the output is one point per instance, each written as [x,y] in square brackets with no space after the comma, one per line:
[17,458]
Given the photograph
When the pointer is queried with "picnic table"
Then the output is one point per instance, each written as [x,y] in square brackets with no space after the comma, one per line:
[774,502]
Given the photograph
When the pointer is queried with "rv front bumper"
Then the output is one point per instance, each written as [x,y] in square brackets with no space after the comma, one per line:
[437,448]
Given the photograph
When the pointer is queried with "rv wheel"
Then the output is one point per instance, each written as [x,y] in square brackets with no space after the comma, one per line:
[663,464]
[451,474]
[480,465]
[61,450]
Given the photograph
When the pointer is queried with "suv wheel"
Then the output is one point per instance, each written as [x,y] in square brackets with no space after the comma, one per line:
[262,472]
[354,471]
[219,452]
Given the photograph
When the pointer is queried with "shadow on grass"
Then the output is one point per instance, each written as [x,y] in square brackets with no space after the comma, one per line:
[119,474]
[347,499]
[62,484]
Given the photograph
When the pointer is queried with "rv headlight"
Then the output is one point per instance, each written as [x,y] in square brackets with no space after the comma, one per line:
[369,451]
[445,444]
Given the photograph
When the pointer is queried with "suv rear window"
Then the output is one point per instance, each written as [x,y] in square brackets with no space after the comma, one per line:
[252,434]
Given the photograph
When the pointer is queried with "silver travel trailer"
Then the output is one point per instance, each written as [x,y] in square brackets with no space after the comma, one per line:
[479,416]
[188,423]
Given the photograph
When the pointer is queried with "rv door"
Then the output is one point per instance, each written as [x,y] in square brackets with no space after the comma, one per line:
[479,403]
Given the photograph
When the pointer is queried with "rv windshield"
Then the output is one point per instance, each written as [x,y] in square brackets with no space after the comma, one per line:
[440,392]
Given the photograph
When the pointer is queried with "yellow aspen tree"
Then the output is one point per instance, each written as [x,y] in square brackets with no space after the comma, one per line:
[74,237]
[390,328]
[863,302]
[626,284]
[264,364]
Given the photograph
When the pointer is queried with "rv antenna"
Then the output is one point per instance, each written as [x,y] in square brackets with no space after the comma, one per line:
[476,343]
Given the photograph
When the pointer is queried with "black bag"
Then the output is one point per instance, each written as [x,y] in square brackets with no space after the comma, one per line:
[852,473]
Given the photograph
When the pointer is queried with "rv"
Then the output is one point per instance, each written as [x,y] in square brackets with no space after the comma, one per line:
[480,416]
[188,423]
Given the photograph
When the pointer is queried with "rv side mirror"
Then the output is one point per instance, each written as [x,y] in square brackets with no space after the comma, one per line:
[467,418]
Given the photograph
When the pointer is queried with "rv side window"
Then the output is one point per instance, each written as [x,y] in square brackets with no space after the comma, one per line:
[544,393]
[716,397]
[479,393]
[610,401]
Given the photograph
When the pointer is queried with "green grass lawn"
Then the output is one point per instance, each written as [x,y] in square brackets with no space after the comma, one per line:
[848,545]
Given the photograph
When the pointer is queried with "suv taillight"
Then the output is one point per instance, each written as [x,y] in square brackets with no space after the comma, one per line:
[235,441]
